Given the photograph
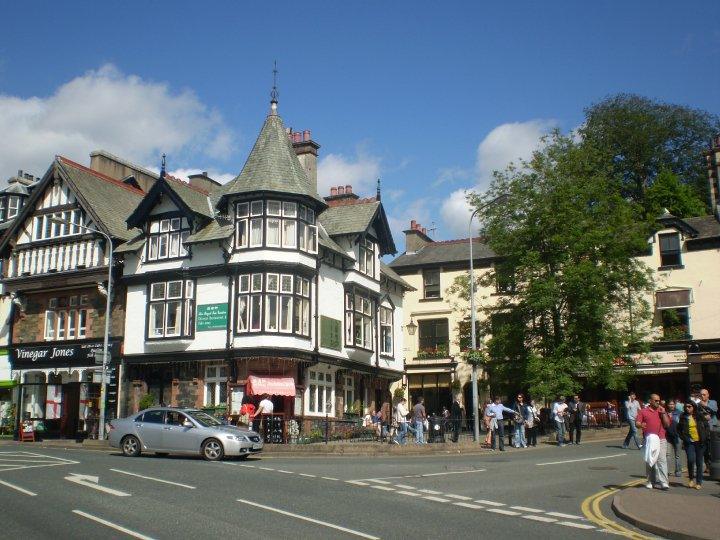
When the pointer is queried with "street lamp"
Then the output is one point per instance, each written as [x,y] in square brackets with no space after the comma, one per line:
[411,327]
[106,338]
[473,340]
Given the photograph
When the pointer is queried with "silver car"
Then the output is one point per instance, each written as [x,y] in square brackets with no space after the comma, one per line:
[166,430]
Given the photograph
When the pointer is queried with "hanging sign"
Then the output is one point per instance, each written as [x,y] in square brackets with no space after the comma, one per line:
[211,317]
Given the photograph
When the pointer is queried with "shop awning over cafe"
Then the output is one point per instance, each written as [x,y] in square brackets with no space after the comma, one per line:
[673,299]
[274,386]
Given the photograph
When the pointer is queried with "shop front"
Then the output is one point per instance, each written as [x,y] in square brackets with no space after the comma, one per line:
[59,387]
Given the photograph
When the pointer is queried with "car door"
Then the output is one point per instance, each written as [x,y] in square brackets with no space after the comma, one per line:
[149,428]
[177,437]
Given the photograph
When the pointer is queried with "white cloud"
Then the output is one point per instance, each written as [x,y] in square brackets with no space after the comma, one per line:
[505,144]
[184,174]
[360,171]
[106,109]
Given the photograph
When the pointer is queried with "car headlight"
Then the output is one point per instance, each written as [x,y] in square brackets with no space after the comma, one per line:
[241,438]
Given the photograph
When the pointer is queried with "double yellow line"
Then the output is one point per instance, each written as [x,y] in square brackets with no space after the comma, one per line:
[591,509]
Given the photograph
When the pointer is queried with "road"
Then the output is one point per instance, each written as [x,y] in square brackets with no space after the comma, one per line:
[533,493]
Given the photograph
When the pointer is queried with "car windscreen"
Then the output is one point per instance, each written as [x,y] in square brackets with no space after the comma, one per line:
[204,419]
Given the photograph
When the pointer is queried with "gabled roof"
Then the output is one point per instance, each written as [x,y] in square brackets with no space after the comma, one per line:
[357,217]
[448,251]
[328,243]
[218,229]
[706,226]
[394,276]
[17,188]
[271,166]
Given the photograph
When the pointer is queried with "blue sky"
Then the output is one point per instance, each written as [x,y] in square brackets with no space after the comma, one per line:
[429,96]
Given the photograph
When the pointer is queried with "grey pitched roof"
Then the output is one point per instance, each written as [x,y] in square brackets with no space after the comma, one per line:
[109,200]
[196,199]
[349,219]
[132,245]
[394,276]
[449,251]
[271,166]
[218,229]
[325,241]
[16,188]
[706,226]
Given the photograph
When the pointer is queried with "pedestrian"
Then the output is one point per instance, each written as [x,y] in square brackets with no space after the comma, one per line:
[672,436]
[419,417]
[487,422]
[495,411]
[559,412]
[386,416]
[576,409]
[709,409]
[653,420]
[533,423]
[694,431]
[456,416]
[632,407]
[401,414]
[521,417]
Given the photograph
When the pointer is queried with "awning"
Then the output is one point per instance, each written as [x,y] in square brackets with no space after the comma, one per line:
[673,299]
[8,384]
[274,386]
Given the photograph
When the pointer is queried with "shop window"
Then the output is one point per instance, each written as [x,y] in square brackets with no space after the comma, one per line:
[215,386]
[359,321]
[166,239]
[386,331]
[431,283]
[171,309]
[275,224]
[61,324]
[284,297]
[676,324]
[349,393]
[320,392]
[433,337]
[670,250]
[366,257]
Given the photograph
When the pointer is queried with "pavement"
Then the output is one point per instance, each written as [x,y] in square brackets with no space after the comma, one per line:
[680,513]
[54,492]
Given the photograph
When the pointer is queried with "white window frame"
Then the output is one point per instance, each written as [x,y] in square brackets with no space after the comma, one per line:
[385,324]
[217,381]
[160,300]
[317,381]
[13,209]
[50,324]
[348,392]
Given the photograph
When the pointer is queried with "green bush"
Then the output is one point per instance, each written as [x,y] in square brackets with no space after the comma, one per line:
[147,401]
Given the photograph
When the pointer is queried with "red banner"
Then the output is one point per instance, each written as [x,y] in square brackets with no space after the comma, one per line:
[274,386]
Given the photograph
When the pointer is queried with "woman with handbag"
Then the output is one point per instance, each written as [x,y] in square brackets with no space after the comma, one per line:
[694,431]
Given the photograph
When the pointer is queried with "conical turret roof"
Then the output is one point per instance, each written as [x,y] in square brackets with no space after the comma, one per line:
[271,166]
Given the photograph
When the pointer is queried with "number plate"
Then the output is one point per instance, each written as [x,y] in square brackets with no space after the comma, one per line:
[257,446]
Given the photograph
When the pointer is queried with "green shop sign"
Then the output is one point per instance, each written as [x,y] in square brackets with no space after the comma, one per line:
[211,317]
[330,330]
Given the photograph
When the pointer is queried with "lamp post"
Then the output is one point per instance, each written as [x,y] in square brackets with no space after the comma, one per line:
[473,340]
[106,338]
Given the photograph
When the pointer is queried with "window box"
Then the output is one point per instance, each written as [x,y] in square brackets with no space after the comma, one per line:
[432,354]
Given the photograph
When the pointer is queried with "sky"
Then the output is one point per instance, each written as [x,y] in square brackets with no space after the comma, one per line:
[430,97]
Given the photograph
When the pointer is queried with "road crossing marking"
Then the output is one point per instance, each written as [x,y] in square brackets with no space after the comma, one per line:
[526,509]
[307,475]
[503,511]
[459,497]
[92,482]
[578,460]
[384,488]
[379,481]
[285,472]
[468,505]
[18,460]
[544,519]
[436,499]
[112,525]
[410,493]
[266,468]
[153,479]
[489,503]
[576,525]
[309,519]
[356,482]
[403,486]
[18,488]
[430,491]
[329,478]
[567,516]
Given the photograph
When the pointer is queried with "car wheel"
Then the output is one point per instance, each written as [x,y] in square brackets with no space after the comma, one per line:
[130,446]
[212,450]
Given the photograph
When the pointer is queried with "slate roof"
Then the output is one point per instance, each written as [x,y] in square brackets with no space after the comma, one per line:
[706,226]
[218,229]
[195,198]
[271,166]
[132,245]
[16,188]
[394,276]
[449,251]
[325,241]
[349,219]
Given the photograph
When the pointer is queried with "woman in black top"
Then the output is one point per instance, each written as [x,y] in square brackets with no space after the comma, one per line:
[694,431]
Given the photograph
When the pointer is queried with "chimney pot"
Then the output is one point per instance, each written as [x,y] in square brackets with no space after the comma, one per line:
[306,135]
[424,230]
[412,223]
[20,173]
[341,190]
[348,189]
[333,191]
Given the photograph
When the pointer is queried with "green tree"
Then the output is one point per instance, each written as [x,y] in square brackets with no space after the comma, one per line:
[640,137]
[579,294]
[668,193]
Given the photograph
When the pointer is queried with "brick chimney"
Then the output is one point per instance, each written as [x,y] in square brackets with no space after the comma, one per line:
[203,181]
[341,195]
[307,151]
[713,164]
[416,237]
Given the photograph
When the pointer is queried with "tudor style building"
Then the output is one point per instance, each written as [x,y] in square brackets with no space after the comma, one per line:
[261,286]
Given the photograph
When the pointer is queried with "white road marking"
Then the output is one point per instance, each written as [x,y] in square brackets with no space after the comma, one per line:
[153,479]
[575,525]
[577,460]
[92,482]
[449,472]
[504,512]
[266,468]
[244,465]
[309,519]
[526,509]
[468,505]
[329,478]
[115,526]
[544,519]
[403,486]
[384,488]
[436,499]
[567,516]
[307,475]
[379,481]
[285,472]
[18,488]
[409,493]
[489,503]
[431,491]
[356,482]
[459,497]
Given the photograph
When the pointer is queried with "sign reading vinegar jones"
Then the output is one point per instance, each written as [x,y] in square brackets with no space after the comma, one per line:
[211,317]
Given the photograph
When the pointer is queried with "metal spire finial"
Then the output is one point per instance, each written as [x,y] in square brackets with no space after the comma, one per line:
[274,92]
[377,196]
[162,167]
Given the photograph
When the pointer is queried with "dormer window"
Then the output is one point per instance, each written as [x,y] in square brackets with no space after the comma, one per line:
[166,239]
[670,250]
[275,224]
[366,257]
[3,208]
[13,207]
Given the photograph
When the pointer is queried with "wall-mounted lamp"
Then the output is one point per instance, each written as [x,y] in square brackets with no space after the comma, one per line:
[411,327]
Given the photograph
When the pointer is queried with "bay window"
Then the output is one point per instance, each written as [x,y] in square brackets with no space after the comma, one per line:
[171,309]
[358,321]
[273,302]
[275,224]
[386,331]
[166,239]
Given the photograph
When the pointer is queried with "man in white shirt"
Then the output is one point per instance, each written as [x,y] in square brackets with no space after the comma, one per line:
[559,411]
[401,413]
[264,407]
